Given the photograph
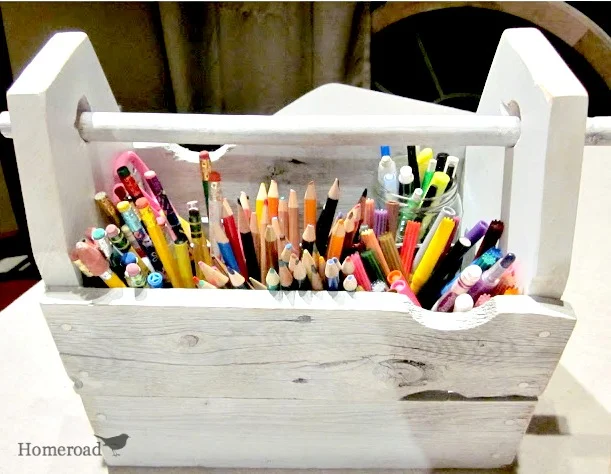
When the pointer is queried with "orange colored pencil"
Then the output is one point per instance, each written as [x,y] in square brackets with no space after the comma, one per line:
[337,240]
[309,206]
[272,199]
[263,222]
[294,221]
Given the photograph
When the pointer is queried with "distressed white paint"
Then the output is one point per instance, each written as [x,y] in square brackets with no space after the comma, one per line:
[598,130]
[59,172]
[300,346]
[536,194]
[323,130]
[219,432]
[169,344]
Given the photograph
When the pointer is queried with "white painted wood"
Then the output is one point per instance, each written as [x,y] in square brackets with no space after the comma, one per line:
[598,131]
[323,130]
[59,172]
[300,346]
[540,182]
[297,434]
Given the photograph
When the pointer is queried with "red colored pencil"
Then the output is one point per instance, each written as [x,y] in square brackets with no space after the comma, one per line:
[234,239]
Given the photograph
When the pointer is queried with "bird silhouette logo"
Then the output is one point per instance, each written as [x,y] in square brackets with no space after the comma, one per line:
[115,443]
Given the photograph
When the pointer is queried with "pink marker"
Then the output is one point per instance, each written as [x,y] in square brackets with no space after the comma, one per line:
[400,286]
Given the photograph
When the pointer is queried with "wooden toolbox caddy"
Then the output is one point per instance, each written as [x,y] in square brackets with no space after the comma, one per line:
[307,380]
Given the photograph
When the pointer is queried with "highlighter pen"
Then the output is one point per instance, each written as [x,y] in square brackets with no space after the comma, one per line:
[423,159]
[439,184]
[183,260]
[134,224]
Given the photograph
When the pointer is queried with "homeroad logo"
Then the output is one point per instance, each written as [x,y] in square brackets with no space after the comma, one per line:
[115,444]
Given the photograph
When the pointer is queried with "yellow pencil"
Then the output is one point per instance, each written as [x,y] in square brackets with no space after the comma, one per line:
[161,245]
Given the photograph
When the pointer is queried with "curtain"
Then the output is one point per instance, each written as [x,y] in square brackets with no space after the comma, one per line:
[255,58]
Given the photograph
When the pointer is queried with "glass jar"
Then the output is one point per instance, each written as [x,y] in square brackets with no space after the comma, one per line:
[426,213]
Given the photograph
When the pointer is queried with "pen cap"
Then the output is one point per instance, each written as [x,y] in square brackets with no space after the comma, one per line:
[470,275]
[496,271]
[405,175]
[155,280]
[463,303]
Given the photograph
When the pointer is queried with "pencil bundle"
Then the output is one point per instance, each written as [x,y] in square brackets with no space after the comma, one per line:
[284,245]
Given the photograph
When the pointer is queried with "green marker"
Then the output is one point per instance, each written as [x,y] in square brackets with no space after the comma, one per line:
[408,213]
[428,174]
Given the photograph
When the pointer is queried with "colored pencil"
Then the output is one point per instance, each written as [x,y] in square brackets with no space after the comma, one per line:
[283,216]
[212,275]
[272,199]
[301,276]
[336,243]
[308,238]
[332,275]
[263,222]
[309,205]
[271,254]
[256,284]
[237,280]
[294,220]
[325,221]
[254,231]
[286,277]
[272,280]
[245,203]
[234,238]
[248,246]
[225,247]
[261,197]
[311,271]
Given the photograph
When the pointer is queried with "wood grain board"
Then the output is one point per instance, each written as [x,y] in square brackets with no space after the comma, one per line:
[299,347]
[259,433]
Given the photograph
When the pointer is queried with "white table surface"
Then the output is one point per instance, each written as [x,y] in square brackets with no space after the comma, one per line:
[38,405]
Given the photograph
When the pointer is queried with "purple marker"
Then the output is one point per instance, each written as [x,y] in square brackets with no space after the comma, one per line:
[477,232]
[380,221]
[490,278]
